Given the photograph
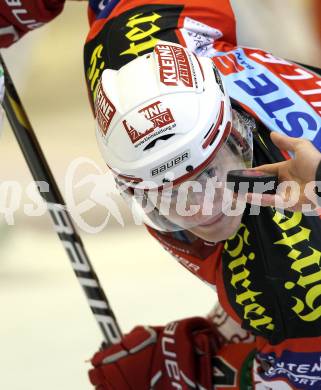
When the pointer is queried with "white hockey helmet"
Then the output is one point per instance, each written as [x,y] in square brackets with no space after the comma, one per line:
[162,117]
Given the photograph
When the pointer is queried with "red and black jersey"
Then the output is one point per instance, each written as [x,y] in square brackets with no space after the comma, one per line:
[127,29]
[268,275]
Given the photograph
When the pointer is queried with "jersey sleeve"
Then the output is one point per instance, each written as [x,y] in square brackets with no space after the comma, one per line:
[17,17]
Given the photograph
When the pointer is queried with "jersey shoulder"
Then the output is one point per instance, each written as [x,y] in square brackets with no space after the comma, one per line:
[283,95]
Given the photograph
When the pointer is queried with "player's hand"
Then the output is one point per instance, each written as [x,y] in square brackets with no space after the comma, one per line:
[298,194]
[168,357]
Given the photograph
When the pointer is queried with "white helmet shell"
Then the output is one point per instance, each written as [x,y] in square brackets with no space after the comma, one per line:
[161,117]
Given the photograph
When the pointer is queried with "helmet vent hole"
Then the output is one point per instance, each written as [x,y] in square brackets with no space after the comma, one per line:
[208,131]
[215,136]
[153,143]
[212,135]
[189,168]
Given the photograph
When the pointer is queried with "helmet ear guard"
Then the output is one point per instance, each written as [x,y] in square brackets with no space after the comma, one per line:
[162,112]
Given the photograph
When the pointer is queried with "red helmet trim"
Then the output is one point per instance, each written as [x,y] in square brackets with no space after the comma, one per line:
[131,179]
[201,166]
[213,133]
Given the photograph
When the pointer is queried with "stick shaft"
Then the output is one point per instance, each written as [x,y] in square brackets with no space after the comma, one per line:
[63,224]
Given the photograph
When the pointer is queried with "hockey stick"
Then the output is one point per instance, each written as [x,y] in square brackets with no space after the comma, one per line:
[63,225]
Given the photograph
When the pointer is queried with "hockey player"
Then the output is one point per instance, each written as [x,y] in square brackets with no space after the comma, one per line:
[262,272]
[167,129]
[175,116]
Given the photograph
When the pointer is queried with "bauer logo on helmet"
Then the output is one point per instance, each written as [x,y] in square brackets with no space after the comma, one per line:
[173,162]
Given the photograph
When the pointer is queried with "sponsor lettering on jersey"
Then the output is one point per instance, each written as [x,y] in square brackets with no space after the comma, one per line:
[281,104]
[130,34]
[141,33]
[304,82]
[302,369]
[174,66]
[306,287]
[240,255]
[105,110]
[97,65]
[227,64]
[296,277]
[144,26]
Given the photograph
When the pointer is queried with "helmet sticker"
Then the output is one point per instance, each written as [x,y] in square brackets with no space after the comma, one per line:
[174,66]
[155,115]
[133,133]
[104,108]
[159,116]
